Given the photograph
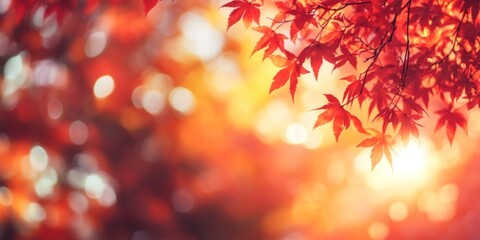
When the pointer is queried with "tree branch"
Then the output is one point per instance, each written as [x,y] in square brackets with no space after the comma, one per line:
[406,58]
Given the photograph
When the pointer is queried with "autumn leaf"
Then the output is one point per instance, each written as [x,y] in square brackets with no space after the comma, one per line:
[341,118]
[475,101]
[279,61]
[450,119]
[388,116]
[149,4]
[473,6]
[408,126]
[395,70]
[381,146]
[353,89]
[270,40]
[282,77]
[290,72]
[376,6]
[316,53]
[333,36]
[243,9]
[302,18]
[345,57]
[410,105]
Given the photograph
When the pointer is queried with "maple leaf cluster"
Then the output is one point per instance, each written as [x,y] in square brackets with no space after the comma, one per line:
[406,53]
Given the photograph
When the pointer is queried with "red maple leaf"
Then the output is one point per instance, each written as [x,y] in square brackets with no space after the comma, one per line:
[352,91]
[345,57]
[302,19]
[290,71]
[381,146]
[474,7]
[408,125]
[397,71]
[388,116]
[376,6]
[270,40]
[243,9]
[148,5]
[316,53]
[450,119]
[333,37]
[341,117]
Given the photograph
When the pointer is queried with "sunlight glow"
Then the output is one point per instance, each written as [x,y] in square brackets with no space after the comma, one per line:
[44,186]
[182,100]
[34,213]
[49,26]
[38,16]
[439,205]
[272,119]
[411,161]
[336,172]
[296,134]
[414,165]
[46,72]
[108,197]
[197,31]
[137,96]
[38,158]
[314,140]
[448,193]
[153,101]
[94,186]
[15,77]
[96,43]
[103,86]
[378,231]
[224,65]
[13,67]
[76,178]
[398,211]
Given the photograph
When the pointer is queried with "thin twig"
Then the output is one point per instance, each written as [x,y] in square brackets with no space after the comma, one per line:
[406,58]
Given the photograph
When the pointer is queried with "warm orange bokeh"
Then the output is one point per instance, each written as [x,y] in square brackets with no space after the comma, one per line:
[114,125]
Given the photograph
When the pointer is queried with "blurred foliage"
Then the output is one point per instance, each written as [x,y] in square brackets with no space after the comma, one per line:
[114,125]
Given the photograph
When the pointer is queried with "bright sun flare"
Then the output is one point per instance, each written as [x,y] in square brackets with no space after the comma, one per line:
[411,161]
[412,168]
